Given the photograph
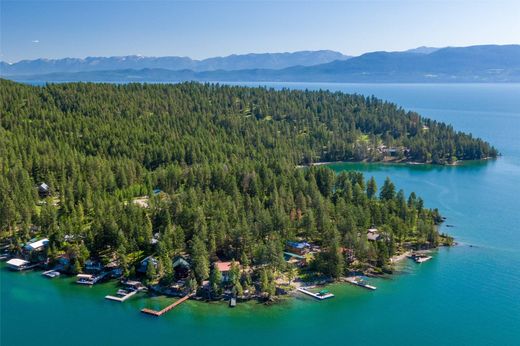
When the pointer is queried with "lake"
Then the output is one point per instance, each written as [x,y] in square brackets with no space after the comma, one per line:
[468,294]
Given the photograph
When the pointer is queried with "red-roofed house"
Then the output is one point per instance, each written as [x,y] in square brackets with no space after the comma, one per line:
[225,268]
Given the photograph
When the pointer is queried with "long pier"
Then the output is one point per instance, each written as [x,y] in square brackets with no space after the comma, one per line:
[315,295]
[166,309]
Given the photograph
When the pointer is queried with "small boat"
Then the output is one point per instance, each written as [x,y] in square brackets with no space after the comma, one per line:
[232,302]
[51,273]
[122,292]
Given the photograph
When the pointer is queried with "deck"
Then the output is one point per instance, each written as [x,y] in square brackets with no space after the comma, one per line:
[168,308]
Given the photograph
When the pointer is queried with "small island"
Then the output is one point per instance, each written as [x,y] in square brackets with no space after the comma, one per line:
[192,190]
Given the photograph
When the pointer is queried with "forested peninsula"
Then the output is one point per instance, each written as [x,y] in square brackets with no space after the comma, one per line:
[195,188]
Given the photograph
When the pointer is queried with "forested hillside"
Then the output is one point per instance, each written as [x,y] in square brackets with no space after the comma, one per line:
[225,160]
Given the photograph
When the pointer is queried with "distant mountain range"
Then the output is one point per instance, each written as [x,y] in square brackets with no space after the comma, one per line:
[487,63]
[229,63]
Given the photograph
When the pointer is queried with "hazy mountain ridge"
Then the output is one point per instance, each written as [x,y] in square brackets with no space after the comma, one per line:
[490,63]
[231,62]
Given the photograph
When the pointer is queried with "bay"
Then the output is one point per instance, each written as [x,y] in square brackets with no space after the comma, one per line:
[466,295]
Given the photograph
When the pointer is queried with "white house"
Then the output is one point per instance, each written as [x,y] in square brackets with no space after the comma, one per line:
[373,234]
[37,245]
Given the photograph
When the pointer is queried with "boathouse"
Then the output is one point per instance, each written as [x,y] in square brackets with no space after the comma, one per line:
[18,264]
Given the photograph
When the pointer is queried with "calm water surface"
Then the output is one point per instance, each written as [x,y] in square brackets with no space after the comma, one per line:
[466,295]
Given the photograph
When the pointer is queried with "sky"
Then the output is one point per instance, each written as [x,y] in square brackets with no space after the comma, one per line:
[201,29]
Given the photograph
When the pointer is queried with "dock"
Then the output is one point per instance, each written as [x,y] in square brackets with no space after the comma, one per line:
[123,298]
[166,309]
[360,282]
[51,273]
[232,302]
[320,295]
[89,279]
[419,257]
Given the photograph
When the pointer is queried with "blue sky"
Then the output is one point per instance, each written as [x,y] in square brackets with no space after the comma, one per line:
[200,29]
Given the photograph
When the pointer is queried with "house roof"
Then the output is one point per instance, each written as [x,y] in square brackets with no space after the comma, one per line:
[37,244]
[224,266]
[180,262]
[290,254]
[298,245]
[372,236]
[16,262]
[43,186]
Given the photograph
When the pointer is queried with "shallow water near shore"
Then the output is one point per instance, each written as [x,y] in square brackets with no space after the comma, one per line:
[465,295]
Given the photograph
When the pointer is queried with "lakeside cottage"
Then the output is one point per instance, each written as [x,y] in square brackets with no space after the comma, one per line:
[37,245]
[224,268]
[143,265]
[181,268]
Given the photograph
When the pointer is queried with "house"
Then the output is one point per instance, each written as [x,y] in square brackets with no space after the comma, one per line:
[295,259]
[18,264]
[92,266]
[155,238]
[143,265]
[181,267]
[44,190]
[373,234]
[37,245]
[299,248]
[224,268]
[63,262]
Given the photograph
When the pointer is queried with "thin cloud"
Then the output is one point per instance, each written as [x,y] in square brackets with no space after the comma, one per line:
[35,41]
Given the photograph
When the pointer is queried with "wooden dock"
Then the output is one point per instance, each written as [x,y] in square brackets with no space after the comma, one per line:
[305,290]
[166,309]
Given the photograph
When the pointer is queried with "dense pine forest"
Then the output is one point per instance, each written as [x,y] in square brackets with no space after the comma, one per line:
[210,172]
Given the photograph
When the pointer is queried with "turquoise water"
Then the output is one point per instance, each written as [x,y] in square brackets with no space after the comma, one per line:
[466,295]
